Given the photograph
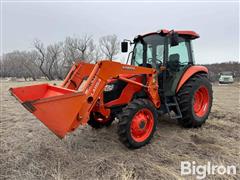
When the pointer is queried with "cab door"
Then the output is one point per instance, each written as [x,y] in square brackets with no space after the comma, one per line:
[179,58]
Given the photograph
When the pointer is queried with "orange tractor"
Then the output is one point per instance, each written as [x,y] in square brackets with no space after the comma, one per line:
[161,78]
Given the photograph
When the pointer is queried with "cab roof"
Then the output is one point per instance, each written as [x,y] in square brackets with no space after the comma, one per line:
[187,33]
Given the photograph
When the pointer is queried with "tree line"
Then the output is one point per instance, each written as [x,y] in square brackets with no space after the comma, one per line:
[53,61]
[216,68]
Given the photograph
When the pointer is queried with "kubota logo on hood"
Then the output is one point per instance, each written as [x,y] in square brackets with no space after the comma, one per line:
[128,68]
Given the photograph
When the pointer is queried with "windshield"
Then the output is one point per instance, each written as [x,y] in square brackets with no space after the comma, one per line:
[153,45]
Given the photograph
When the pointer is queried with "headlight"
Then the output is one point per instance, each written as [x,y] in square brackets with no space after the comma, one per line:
[109,87]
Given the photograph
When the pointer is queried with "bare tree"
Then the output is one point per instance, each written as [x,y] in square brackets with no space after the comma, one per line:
[54,60]
[42,57]
[53,55]
[19,64]
[47,58]
[69,51]
[109,46]
[27,60]
[80,47]
[96,55]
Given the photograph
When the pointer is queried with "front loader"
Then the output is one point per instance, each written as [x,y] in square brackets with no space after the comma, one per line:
[159,77]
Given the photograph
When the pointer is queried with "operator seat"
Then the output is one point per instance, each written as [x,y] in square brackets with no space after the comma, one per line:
[173,63]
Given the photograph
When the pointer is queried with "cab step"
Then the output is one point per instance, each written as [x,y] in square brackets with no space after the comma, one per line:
[170,104]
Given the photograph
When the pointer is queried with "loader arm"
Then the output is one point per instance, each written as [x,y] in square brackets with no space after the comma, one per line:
[77,74]
[62,109]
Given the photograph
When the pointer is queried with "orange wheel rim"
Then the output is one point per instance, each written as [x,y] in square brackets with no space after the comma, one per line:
[142,125]
[201,101]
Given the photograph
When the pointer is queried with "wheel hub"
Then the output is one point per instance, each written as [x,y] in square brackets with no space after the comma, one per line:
[142,124]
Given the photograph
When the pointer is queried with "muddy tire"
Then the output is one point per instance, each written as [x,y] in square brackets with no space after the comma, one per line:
[137,123]
[98,121]
[195,101]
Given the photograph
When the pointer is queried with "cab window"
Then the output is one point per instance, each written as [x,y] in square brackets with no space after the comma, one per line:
[180,52]
[154,47]
[138,54]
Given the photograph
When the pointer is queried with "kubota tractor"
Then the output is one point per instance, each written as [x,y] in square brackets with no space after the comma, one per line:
[159,78]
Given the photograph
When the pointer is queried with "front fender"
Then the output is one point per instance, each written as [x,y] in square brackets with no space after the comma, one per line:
[189,73]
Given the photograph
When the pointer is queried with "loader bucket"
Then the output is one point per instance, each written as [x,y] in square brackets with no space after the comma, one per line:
[56,107]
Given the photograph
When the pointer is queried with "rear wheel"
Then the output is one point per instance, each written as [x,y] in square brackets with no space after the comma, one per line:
[137,123]
[97,120]
[195,101]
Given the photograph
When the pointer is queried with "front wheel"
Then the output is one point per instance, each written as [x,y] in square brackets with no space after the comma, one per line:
[195,101]
[137,123]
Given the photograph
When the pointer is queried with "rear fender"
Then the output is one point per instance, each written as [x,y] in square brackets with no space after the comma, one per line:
[189,73]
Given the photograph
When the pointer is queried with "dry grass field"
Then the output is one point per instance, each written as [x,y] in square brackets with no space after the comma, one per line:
[30,151]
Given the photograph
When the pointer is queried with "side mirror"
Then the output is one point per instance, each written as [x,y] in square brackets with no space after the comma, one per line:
[174,39]
[124,47]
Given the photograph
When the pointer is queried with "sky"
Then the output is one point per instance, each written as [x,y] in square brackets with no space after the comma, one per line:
[216,22]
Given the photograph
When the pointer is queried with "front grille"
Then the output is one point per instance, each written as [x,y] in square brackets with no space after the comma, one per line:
[225,79]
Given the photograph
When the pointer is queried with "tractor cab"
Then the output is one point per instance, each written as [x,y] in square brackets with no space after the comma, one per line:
[169,52]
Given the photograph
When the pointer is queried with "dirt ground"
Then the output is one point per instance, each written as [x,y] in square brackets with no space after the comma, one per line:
[30,151]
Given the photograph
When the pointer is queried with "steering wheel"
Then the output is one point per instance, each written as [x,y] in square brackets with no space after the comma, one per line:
[158,61]
[149,60]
